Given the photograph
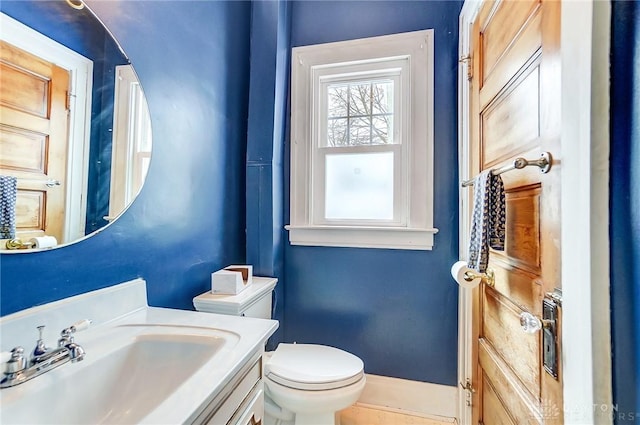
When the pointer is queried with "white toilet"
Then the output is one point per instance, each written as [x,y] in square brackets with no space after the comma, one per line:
[305,384]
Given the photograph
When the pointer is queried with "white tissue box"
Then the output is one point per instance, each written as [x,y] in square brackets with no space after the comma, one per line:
[231,280]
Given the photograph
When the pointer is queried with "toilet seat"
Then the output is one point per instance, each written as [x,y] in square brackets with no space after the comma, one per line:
[313,367]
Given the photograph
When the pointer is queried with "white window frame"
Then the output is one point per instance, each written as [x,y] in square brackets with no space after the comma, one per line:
[410,56]
[131,125]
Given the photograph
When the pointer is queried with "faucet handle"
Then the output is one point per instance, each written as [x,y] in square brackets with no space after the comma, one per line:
[76,352]
[40,348]
[65,334]
[81,325]
[17,362]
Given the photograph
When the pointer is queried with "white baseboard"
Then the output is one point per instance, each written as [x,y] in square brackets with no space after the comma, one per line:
[421,398]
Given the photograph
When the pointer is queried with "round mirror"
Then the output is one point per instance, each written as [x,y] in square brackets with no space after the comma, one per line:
[75,133]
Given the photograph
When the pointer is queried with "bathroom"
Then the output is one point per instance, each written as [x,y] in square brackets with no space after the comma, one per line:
[217,189]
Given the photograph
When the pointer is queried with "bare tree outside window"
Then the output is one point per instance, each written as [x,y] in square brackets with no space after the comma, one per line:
[360,113]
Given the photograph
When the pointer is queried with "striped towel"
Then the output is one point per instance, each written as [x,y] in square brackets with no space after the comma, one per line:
[8,194]
[488,221]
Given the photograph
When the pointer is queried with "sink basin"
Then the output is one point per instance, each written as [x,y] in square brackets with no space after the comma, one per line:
[120,387]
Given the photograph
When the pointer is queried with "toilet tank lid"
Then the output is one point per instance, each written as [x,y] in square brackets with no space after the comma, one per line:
[235,304]
[310,363]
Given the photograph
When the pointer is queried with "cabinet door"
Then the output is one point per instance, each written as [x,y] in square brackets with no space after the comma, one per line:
[252,412]
[229,405]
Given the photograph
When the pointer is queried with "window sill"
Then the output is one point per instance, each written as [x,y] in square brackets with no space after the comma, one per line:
[362,237]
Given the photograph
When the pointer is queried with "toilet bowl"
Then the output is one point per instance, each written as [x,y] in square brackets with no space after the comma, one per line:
[305,384]
[309,384]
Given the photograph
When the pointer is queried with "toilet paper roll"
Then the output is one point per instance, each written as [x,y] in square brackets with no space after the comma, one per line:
[44,241]
[458,270]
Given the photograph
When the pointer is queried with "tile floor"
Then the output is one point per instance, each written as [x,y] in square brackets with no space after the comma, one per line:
[359,414]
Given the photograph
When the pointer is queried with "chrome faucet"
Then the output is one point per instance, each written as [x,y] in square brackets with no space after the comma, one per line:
[43,359]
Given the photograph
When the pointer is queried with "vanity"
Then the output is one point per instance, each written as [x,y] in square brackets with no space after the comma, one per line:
[141,364]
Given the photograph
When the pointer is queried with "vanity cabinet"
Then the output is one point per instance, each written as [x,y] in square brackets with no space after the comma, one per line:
[241,402]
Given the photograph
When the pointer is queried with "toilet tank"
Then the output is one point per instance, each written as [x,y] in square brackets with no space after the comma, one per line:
[254,301]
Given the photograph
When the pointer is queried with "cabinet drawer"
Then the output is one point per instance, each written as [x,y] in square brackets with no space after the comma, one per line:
[239,390]
[252,409]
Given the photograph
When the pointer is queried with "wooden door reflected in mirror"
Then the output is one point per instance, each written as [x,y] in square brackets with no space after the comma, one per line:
[79,149]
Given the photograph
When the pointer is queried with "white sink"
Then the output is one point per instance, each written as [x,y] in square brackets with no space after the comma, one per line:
[122,386]
[143,365]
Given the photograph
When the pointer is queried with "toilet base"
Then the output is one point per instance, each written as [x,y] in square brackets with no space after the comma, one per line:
[317,419]
[329,419]
[275,415]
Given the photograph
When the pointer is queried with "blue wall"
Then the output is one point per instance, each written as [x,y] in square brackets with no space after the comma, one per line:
[266,133]
[397,310]
[625,206]
[192,58]
[81,32]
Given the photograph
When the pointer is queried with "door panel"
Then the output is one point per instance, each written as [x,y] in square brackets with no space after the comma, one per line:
[511,121]
[33,139]
[515,113]
[501,330]
[522,241]
[495,412]
[517,285]
[517,402]
[23,150]
[523,49]
[502,29]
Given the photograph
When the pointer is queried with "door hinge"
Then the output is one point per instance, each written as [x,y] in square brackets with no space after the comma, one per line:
[469,391]
[68,100]
[467,60]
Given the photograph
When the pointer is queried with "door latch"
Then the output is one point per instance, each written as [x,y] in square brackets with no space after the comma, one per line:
[550,336]
[549,327]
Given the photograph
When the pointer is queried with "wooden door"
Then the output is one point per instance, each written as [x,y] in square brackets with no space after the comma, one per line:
[33,139]
[515,112]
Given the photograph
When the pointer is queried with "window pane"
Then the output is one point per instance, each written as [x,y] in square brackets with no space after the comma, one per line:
[337,99]
[382,95]
[382,130]
[359,186]
[360,99]
[337,132]
[359,131]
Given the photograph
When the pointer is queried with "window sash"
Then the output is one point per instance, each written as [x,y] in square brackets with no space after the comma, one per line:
[318,186]
[393,75]
[395,70]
